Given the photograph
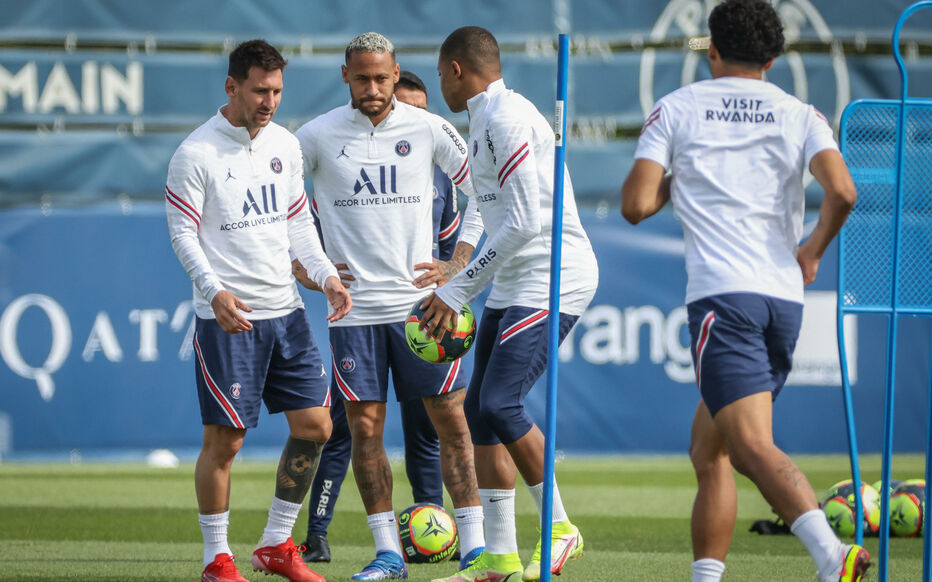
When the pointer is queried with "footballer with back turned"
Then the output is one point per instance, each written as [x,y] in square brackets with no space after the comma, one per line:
[735,148]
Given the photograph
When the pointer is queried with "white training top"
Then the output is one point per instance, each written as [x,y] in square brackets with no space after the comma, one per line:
[234,207]
[511,162]
[738,149]
[373,186]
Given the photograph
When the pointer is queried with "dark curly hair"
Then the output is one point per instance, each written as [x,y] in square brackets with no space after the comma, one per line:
[746,31]
[254,53]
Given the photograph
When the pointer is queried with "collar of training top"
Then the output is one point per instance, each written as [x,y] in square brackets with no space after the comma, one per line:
[480,99]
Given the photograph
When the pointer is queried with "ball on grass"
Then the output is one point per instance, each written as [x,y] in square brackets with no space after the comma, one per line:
[845,491]
[907,508]
[427,533]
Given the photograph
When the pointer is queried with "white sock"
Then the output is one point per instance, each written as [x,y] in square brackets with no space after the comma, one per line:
[816,534]
[469,527]
[498,505]
[214,529]
[384,531]
[708,570]
[537,492]
[282,516]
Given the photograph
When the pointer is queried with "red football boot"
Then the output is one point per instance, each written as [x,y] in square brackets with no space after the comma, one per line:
[284,560]
[222,569]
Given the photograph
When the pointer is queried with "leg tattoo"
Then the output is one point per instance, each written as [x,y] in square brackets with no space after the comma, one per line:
[456,451]
[297,468]
[373,474]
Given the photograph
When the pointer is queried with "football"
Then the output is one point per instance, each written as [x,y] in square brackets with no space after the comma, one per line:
[455,343]
[878,485]
[840,516]
[907,508]
[428,533]
[844,491]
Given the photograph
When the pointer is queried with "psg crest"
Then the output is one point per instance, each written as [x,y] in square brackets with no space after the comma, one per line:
[347,364]
[235,390]
[402,148]
[276,165]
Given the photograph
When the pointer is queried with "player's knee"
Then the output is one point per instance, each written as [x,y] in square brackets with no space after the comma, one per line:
[707,459]
[319,433]
[493,413]
[747,455]
[221,445]
[365,428]
[508,422]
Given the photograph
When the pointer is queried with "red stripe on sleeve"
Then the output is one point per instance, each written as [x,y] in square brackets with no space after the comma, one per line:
[183,210]
[515,165]
[300,201]
[460,181]
[459,173]
[300,208]
[450,229]
[180,199]
[513,156]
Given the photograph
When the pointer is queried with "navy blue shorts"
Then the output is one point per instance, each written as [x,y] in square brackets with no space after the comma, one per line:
[364,354]
[276,361]
[511,354]
[742,344]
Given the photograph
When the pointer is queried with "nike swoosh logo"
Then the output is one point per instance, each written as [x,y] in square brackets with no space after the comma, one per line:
[495,500]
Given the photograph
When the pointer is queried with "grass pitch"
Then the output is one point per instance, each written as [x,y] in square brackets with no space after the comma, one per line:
[124,522]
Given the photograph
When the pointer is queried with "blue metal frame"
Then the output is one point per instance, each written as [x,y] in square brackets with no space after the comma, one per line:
[553,322]
[843,361]
[893,312]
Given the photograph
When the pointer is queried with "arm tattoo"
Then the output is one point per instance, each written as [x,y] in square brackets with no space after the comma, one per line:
[297,468]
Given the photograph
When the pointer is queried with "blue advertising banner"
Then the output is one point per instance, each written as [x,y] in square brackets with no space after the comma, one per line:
[96,324]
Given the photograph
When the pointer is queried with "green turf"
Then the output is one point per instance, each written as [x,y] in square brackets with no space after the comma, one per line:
[121,522]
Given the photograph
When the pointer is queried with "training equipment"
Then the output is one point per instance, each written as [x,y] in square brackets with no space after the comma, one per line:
[556,263]
[883,258]
[843,493]
[489,567]
[427,532]
[284,560]
[840,516]
[878,485]
[455,343]
[387,565]
[566,544]
[907,508]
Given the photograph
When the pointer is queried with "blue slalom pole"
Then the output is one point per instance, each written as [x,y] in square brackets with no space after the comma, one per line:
[887,453]
[553,321]
[843,363]
[926,518]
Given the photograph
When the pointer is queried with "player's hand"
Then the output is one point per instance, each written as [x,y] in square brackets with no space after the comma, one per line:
[439,272]
[438,316]
[339,298]
[808,262]
[227,309]
[300,273]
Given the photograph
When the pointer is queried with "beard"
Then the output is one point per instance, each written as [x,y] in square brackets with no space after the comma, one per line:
[371,107]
